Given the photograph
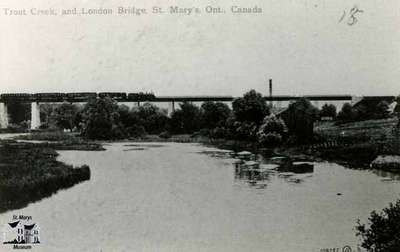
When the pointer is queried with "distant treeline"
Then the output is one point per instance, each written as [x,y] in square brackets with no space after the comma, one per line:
[250,119]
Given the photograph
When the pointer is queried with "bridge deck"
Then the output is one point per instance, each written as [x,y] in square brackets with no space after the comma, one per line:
[130,97]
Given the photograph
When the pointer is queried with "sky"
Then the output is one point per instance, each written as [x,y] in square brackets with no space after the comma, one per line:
[301,44]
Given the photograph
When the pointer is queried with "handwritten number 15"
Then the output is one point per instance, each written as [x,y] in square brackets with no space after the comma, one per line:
[352,19]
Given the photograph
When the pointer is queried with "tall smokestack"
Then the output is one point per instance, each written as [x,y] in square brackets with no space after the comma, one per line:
[270,92]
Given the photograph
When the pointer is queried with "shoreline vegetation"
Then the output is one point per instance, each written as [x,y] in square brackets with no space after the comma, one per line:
[30,172]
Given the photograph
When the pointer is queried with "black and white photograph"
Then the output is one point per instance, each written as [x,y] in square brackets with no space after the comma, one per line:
[200,126]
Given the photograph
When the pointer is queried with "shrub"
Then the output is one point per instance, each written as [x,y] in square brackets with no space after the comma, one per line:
[65,115]
[328,110]
[245,131]
[271,131]
[347,114]
[148,115]
[219,133]
[251,108]
[165,135]
[214,114]
[299,118]
[101,120]
[185,120]
[136,131]
[269,139]
[383,230]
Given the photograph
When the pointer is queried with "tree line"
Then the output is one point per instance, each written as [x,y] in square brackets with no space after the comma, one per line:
[250,119]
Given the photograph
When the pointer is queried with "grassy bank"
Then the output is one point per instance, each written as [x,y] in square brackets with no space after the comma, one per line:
[30,172]
[61,141]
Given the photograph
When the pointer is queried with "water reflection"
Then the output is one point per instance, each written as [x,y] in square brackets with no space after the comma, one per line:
[387,176]
[145,145]
[135,149]
[141,147]
[258,174]
[252,176]
[179,200]
[218,153]
[256,170]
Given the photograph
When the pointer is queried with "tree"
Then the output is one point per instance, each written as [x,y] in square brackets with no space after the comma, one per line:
[214,114]
[46,115]
[65,115]
[244,130]
[397,107]
[251,108]
[347,113]
[328,110]
[299,118]
[149,116]
[383,230]
[18,111]
[271,131]
[101,120]
[124,114]
[382,110]
[186,119]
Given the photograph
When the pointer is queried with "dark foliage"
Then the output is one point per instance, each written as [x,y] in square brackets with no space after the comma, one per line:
[364,111]
[31,172]
[214,114]
[65,116]
[185,120]
[328,110]
[150,117]
[299,118]
[271,131]
[347,113]
[382,234]
[251,108]
[101,120]
[18,111]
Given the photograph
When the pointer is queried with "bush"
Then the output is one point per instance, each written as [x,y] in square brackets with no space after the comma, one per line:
[273,124]
[269,139]
[251,108]
[328,110]
[383,230]
[201,133]
[382,110]
[219,133]
[101,120]
[165,135]
[136,131]
[185,120]
[148,115]
[299,118]
[65,116]
[214,114]
[245,131]
[271,131]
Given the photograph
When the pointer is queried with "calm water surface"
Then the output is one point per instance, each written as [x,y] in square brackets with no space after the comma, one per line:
[176,197]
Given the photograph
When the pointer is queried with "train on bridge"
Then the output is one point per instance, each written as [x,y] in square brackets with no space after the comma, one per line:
[141,97]
[7,100]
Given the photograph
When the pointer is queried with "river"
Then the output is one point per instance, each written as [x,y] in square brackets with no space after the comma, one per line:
[185,197]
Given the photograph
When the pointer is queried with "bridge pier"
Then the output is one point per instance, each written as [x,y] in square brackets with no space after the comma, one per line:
[171,108]
[3,116]
[35,115]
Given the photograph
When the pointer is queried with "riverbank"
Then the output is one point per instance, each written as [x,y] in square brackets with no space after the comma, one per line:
[30,171]
[351,154]
[61,141]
